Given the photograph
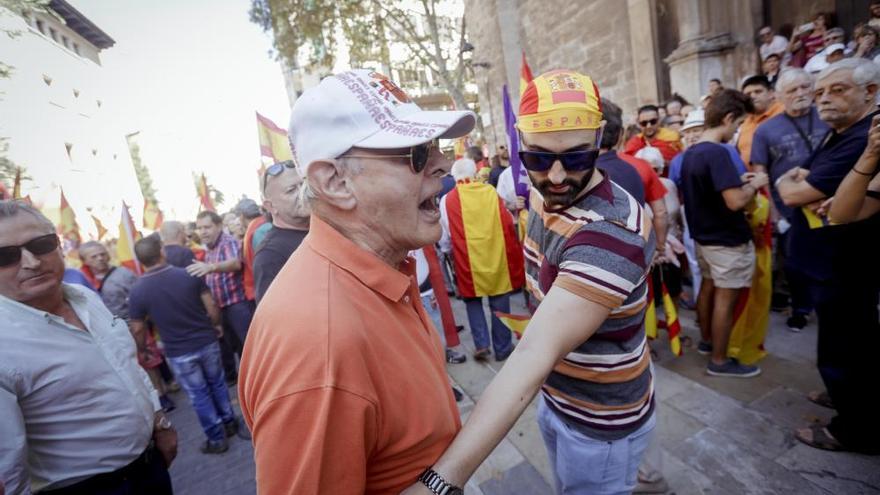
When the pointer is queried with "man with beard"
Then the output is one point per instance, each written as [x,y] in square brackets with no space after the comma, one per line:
[667,140]
[588,248]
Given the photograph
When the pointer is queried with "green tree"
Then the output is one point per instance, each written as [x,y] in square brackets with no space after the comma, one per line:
[16,7]
[141,170]
[368,26]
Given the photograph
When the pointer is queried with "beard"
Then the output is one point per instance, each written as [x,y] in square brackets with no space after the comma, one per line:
[562,200]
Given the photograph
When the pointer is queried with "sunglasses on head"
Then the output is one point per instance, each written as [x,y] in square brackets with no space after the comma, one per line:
[572,161]
[38,246]
[646,123]
[418,156]
[276,169]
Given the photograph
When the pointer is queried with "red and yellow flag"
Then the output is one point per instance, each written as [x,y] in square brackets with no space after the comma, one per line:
[752,314]
[274,143]
[525,75]
[515,323]
[204,192]
[488,256]
[460,146]
[128,234]
[672,325]
[153,217]
[102,231]
[67,226]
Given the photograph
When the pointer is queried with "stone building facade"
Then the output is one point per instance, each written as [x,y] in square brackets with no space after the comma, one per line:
[637,51]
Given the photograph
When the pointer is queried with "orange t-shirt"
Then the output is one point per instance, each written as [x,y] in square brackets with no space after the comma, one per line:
[748,128]
[342,379]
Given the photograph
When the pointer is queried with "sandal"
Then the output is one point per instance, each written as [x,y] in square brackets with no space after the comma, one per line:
[817,436]
[821,398]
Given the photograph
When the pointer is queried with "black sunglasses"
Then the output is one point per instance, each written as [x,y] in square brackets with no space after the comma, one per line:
[38,246]
[573,161]
[646,123]
[275,169]
[418,156]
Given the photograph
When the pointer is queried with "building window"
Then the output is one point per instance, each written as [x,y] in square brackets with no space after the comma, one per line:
[76,48]
[65,42]
[53,34]
[41,27]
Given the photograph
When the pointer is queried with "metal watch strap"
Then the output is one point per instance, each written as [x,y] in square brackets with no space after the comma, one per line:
[437,484]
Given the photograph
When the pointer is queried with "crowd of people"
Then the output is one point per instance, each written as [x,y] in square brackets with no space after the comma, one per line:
[329,304]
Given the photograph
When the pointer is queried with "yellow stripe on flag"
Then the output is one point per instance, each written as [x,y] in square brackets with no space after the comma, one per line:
[515,323]
[480,216]
[815,221]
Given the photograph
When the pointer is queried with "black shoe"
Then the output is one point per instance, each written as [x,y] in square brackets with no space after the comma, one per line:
[234,428]
[704,348]
[502,357]
[458,395]
[481,354]
[214,447]
[455,357]
[732,368]
[796,322]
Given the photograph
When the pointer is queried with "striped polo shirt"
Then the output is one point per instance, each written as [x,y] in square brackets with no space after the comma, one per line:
[599,248]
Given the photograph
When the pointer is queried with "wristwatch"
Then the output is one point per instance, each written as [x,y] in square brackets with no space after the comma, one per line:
[437,484]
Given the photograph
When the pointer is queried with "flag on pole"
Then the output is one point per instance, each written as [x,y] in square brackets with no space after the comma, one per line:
[274,143]
[204,192]
[519,175]
[102,231]
[460,147]
[128,234]
[652,323]
[68,227]
[153,217]
[16,185]
[525,75]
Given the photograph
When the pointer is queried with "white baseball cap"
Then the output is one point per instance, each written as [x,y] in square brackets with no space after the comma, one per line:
[364,108]
[833,47]
[695,118]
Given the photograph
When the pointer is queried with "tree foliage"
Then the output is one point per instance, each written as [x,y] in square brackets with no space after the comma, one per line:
[14,7]
[368,27]
[145,180]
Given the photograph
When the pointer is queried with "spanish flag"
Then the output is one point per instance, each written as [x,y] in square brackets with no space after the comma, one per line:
[68,227]
[525,75]
[459,147]
[128,234]
[752,314]
[274,143]
[515,323]
[652,323]
[204,192]
[815,221]
[102,231]
[153,216]
[488,256]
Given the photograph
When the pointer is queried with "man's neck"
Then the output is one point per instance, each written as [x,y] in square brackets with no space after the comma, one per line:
[843,127]
[281,224]
[712,135]
[157,266]
[51,303]
[792,112]
[365,237]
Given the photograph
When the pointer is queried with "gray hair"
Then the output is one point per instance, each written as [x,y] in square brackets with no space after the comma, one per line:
[171,230]
[90,244]
[792,74]
[836,30]
[863,70]
[11,208]
[463,168]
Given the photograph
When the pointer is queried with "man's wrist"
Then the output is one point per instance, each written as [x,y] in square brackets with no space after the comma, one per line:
[437,484]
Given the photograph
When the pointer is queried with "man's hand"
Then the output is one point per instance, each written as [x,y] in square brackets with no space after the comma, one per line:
[825,207]
[219,329]
[166,442]
[520,203]
[759,180]
[873,148]
[200,269]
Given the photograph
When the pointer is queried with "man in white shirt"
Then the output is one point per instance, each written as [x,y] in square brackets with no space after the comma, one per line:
[79,415]
[834,39]
[773,43]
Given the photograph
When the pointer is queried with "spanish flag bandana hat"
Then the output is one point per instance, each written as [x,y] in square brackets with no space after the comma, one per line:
[559,100]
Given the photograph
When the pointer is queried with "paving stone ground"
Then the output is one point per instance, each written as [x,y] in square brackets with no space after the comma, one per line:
[713,435]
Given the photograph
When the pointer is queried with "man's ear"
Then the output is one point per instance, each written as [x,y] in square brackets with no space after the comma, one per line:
[331,182]
[871,88]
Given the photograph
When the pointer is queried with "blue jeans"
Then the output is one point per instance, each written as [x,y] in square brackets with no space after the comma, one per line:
[501,338]
[583,465]
[200,373]
[434,314]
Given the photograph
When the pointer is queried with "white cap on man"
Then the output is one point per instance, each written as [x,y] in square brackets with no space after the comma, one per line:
[695,118]
[363,108]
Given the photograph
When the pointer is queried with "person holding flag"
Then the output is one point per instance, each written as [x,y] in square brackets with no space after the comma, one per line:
[588,249]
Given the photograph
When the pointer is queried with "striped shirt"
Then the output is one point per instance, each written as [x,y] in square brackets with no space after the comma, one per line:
[227,288]
[600,248]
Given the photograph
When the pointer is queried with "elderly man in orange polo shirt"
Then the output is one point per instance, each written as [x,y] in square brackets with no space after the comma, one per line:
[343,380]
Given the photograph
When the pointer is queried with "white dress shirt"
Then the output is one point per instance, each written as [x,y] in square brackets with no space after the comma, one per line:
[73,403]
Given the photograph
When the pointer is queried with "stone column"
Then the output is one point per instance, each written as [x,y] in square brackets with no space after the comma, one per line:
[643,44]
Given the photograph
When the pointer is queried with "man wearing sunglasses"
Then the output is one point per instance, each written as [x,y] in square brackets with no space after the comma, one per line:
[343,380]
[588,248]
[77,412]
[666,140]
[283,199]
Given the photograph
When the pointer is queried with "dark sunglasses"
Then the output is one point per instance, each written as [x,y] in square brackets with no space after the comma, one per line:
[38,246]
[418,156]
[275,169]
[646,123]
[572,161]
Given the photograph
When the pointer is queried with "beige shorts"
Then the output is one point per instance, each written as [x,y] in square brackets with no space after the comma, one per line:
[727,267]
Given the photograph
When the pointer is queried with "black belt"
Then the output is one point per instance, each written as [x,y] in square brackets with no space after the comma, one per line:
[103,481]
